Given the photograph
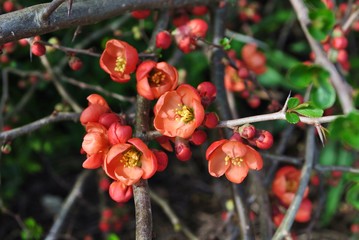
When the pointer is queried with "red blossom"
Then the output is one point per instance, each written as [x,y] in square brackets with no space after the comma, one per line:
[154,79]
[232,159]
[119,59]
[179,112]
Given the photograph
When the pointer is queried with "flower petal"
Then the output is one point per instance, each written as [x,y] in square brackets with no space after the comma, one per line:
[128,175]
[253,159]
[237,173]
[216,163]
[234,149]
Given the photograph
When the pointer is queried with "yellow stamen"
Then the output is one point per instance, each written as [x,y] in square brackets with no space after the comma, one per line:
[157,78]
[185,114]
[237,161]
[120,64]
[131,158]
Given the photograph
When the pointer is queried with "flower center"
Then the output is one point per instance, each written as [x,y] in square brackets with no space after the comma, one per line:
[234,160]
[131,158]
[185,114]
[291,186]
[157,78]
[120,64]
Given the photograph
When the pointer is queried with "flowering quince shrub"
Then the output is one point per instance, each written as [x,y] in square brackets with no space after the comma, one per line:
[239,116]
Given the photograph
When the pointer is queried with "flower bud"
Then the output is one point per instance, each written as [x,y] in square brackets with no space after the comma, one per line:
[210,120]
[119,192]
[254,101]
[199,10]
[118,133]
[198,137]
[75,63]
[141,14]
[247,131]
[38,49]
[8,6]
[208,92]
[236,137]
[182,149]
[264,140]
[163,40]
[6,148]
[162,160]
[107,119]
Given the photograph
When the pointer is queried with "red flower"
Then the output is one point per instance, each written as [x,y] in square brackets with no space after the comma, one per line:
[178,113]
[119,59]
[233,159]
[154,79]
[95,145]
[254,60]
[186,35]
[285,184]
[97,107]
[129,162]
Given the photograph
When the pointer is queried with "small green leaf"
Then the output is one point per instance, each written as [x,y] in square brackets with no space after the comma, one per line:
[293,102]
[352,196]
[310,112]
[292,117]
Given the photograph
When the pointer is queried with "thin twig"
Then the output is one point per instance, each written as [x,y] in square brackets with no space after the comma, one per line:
[351,19]
[68,205]
[271,117]
[245,38]
[97,88]
[283,229]
[61,90]
[28,128]
[69,50]
[176,223]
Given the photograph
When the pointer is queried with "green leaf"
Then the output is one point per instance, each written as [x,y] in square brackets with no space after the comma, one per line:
[310,112]
[293,102]
[292,117]
[354,177]
[324,95]
[332,204]
[300,76]
[322,22]
[352,196]
[346,129]
[271,78]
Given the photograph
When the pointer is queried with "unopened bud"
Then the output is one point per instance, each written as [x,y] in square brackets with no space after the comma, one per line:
[182,149]
[198,137]
[118,133]
[162,160]
[210,120]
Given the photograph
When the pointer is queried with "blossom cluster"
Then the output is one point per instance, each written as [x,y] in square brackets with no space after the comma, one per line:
[108,143]
[180,117]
